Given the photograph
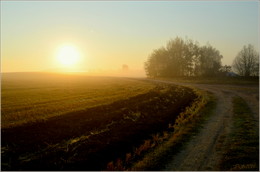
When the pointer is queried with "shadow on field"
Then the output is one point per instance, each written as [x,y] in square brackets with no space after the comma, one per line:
[89,139]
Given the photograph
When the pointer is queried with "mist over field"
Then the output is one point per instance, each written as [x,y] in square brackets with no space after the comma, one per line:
[130,85]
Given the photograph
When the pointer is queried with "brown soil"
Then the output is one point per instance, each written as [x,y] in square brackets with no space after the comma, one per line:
[89,139]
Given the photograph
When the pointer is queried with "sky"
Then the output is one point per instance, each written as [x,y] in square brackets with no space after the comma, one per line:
[108,34]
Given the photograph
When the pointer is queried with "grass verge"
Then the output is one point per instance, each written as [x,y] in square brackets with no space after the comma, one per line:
[216,80]
[187,124]
[242,150]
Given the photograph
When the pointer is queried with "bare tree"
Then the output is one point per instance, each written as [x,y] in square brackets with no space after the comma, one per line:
[246,62]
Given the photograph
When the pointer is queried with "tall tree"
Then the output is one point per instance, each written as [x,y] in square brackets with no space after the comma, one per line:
[183,58]
[209,61]
[157,63]
[175,50]
[246,63]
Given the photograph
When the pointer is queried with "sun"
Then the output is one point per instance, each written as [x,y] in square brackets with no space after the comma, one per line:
[68,56]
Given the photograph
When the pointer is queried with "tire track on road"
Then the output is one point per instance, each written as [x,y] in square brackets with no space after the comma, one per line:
[204,151]
[201,152]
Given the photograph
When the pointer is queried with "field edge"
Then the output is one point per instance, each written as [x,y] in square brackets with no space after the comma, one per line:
[186,125]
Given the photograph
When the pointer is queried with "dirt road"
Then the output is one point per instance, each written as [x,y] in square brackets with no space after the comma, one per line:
[204,150]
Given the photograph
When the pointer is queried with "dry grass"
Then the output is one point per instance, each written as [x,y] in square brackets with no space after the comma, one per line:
[186,125]
[28,97]
[216,80]
[151,154]
[242,151]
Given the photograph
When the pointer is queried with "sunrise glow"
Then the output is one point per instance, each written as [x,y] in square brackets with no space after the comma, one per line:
[100,37]
[68,56]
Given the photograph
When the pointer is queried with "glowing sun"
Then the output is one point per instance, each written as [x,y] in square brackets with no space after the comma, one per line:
[68,56]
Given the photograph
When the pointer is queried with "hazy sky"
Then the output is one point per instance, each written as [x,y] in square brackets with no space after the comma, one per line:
[108,34]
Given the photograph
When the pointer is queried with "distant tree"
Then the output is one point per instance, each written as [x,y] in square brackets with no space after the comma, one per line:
[226,68]
[246,63]
[175,50]
[191,54]
[125,67]
[209,61]
[156,64]
[183,58]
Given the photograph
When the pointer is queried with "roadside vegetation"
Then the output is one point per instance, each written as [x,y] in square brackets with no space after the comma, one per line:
[242,150]
[154,152]
[215,80]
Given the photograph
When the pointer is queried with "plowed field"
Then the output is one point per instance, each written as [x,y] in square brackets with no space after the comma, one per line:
[90,138]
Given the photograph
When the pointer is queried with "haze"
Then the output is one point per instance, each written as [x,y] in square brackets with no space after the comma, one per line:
[112,36]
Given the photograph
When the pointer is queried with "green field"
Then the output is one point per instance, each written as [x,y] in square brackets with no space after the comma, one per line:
[28,97]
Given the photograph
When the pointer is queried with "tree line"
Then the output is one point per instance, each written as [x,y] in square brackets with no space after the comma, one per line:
[187,58]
